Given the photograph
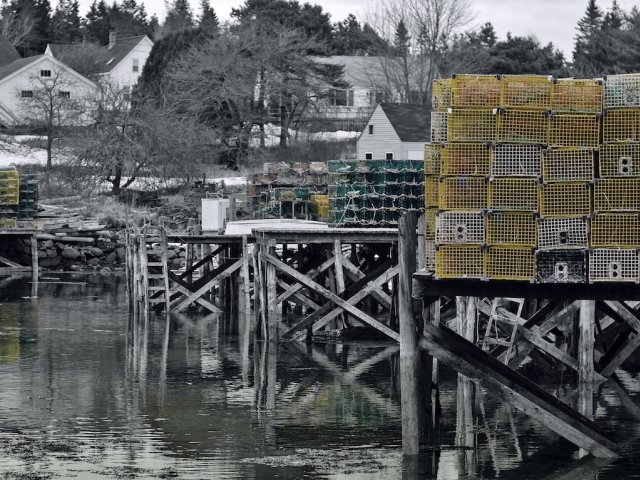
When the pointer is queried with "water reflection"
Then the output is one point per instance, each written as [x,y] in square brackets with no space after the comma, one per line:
[91,391]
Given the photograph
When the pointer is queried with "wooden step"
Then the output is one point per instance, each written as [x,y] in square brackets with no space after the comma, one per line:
[155,288]
[154,264]
[155,275]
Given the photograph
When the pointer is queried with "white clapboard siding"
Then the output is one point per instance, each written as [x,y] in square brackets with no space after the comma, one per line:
[384,138]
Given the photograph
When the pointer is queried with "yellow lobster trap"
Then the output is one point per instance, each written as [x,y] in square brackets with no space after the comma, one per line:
[513,194]
[616,195]
[563,232]
[523,126]
[577,96]
[459,261]
[511,229]
[476,90]
[579,130]
[615,230]
[432,158]
[510,263]
[468,125]
[439,126]
[431,191]
[532,92]
[622,125]
[565,199]
[465,159]
[463,193]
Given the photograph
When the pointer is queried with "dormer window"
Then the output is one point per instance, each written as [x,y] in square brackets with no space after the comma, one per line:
[45,73]
[135,65]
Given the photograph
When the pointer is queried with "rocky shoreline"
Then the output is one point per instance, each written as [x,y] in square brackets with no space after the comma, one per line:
[107,254]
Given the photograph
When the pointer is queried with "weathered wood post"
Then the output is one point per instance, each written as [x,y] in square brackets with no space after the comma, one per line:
[586,342]
[245,276]
[411,394]
[34,257]
[272,307]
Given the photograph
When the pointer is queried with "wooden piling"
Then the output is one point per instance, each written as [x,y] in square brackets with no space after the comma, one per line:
[412,401]
[34,257]
[586,341]
[272,304]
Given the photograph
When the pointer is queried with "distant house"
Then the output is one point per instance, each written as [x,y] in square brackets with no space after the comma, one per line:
[124,57]
[370,79]
[395,131]
[20,77]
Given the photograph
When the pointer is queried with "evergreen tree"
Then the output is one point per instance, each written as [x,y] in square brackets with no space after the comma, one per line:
[525,55]
[97,23]
[65,23]
[179,16]
[208,20]
[128,19]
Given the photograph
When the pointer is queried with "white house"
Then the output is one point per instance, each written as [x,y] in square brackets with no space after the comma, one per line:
[395,131]
[124,60]
[21,77]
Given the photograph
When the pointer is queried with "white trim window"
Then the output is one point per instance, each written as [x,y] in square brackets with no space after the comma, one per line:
[388,155]
[370,129]
[368,156]
[135,65]
[45,73]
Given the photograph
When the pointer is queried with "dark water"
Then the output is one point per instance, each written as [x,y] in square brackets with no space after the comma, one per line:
[86,392]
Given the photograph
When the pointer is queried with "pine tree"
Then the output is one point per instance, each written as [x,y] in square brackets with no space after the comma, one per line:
[97,22]
[65,23]
[208,20]
[179,16]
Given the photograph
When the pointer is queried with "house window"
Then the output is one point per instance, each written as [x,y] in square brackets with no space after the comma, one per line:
[27,93]
[370,129]
[349,98]
[45,73]
[135,65]
[376,97]
[338,98]
[65,94]
[389,155]
[368,156]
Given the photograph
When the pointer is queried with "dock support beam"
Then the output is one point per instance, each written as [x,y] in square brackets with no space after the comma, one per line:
[412,401]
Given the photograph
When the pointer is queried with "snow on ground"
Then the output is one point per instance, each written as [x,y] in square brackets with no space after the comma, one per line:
[272,136]
[14,151]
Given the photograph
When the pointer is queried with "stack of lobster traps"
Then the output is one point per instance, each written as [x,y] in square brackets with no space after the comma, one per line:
[18,200]
[534,178]
[374,193]
[289,190]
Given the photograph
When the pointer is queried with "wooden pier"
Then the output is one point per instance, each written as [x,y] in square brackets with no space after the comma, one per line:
[340,278]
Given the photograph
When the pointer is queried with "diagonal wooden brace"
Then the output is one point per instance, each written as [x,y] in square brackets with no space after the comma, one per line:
[353,271]
[310,284]
[311,274]
[198,293]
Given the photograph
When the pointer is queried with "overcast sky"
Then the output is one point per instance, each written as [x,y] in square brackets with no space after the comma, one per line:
[550,20]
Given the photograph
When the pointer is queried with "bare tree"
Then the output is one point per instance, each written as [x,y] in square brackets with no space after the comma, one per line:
[127,143]
[230,82]
[51,103]
[417,32]
[16,28]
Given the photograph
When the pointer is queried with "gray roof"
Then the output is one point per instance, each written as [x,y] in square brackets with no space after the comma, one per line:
[13,67]
[113,54]
[411,122]
[8,53]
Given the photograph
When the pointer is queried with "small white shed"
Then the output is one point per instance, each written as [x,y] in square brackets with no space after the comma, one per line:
[395,131]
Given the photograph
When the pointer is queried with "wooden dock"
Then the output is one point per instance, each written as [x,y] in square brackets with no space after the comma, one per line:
[337,278]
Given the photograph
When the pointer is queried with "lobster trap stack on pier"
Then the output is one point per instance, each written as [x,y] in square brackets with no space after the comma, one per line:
[374,193]
[18,200]
[533,178]
[289,190]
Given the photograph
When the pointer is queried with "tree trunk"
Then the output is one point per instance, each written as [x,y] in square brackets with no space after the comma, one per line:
[284,127]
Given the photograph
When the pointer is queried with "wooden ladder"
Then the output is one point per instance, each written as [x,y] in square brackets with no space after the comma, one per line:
[503,316]
[156,273]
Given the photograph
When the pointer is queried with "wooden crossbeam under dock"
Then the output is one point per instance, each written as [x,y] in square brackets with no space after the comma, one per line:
[468,359]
